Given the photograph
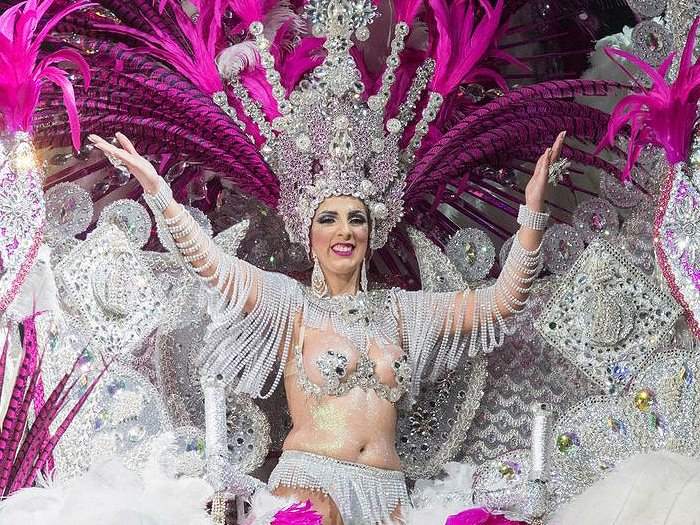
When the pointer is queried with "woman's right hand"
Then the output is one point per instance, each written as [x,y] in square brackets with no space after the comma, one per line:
[138,166]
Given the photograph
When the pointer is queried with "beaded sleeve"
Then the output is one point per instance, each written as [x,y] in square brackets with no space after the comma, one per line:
[507,296]
[433,324]
[252,311]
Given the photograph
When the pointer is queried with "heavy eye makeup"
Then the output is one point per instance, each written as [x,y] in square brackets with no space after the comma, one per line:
[356,217]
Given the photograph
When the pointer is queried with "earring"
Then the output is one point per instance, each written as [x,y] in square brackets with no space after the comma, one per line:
[363,276]
[318,281]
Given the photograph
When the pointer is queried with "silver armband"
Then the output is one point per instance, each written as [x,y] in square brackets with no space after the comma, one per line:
[159,200]
[532,219]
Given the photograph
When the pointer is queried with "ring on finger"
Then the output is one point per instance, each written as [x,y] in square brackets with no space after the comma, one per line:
[114,161]
[558,169]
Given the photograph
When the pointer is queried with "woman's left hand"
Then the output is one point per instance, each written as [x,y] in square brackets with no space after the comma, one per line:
[537,187]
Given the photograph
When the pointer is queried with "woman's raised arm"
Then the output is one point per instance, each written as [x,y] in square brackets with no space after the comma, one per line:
[196,248]
[486,308]
[250,333]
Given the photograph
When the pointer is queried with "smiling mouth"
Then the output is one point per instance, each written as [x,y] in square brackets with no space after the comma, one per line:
[343,249]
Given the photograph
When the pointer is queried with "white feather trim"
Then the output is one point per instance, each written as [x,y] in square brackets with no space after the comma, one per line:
[603,68]
[110,494]
[236,58]
[659,488]
[435,500]
[265,505]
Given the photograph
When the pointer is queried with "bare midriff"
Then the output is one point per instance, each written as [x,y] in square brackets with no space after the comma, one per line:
[359,427]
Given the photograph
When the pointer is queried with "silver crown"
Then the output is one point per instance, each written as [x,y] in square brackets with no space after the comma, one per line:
[330,141]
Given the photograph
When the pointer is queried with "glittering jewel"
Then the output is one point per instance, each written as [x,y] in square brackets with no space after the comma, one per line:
[472,252]
[318,281]
[509,470]
[68,210]
[596,218]
[651,41]
[677,241]
[22,220]
[130,217]
[333,367]
[566,441]
[606,311]
[644,399]
[561,246]
[616,425]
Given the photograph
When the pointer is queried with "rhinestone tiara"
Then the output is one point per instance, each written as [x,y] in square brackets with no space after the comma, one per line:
[328,140]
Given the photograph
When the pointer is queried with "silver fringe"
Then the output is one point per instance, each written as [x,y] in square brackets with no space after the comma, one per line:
[364,495]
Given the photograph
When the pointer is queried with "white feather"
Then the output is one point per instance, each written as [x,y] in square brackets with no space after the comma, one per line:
[603,68]
[265,505]
[236,58]
[279,15]
[435,500]
[110,494]
[659,488]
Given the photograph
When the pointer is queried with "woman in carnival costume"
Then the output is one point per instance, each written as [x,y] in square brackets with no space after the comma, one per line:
[346,355]
[341,153]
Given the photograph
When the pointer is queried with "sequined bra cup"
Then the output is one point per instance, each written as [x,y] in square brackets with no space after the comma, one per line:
[364,320]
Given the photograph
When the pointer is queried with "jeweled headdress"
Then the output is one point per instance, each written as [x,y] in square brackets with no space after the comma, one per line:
[247,98]
[329,140]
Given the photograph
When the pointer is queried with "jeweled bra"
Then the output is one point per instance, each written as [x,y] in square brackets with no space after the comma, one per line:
[360,318]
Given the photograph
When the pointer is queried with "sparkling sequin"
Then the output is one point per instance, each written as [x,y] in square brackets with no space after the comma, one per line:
[69,210]
[606,310]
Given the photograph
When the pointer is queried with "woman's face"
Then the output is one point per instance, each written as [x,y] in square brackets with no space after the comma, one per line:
[340,235]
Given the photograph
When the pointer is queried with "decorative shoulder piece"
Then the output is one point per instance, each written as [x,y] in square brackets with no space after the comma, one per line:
[532,219]
[112,292]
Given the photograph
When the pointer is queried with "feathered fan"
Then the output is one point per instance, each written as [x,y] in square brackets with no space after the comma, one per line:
[168,110]
[22,74]
[664,114]
[25,450]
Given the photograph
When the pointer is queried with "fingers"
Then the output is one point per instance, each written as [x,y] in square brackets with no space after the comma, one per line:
[542,165]
[557,146]
[126,143]
[112,150]
[549,156]
[103,145]
[115,152]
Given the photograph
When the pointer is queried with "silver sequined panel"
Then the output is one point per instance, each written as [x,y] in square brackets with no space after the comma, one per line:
[607,315]
[432,432]
[659,411]
[105,285]
[524,370]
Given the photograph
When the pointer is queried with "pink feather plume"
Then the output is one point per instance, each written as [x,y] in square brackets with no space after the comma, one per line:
[195,59]
[250,11]
[298,514]
[479,517]
[461,43]
[663,114]
[22,75]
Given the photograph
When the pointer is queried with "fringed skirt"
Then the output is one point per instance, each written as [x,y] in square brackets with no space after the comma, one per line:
[364,495]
